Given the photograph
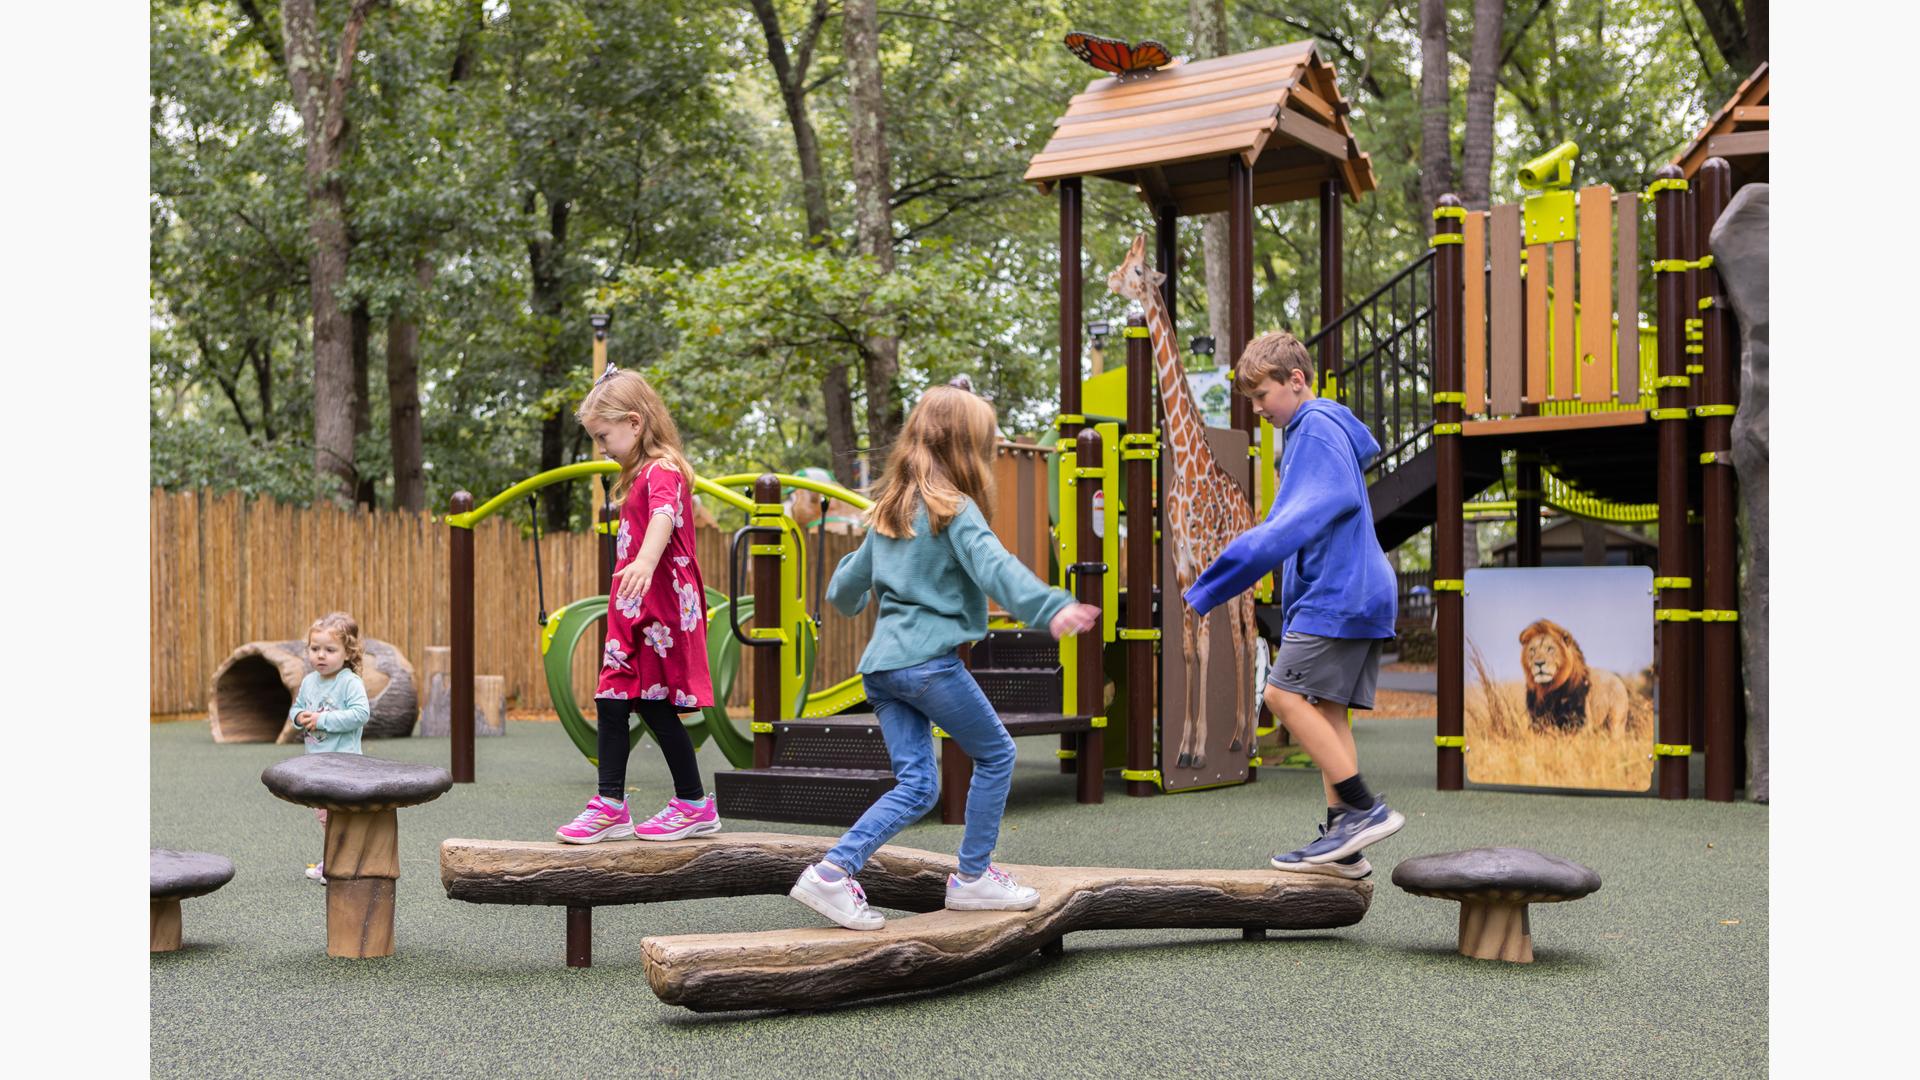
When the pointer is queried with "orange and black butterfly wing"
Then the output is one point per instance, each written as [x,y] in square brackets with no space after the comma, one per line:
[1104,53]
[1148,55]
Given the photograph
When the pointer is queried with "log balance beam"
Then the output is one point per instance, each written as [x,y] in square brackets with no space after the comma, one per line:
[825,965]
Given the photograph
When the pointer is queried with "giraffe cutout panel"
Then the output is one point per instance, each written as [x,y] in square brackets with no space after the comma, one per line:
[1207,702]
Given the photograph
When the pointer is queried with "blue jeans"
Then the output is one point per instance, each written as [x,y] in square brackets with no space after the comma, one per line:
[909,702]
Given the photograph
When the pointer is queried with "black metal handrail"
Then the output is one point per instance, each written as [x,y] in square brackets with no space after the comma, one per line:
[1381,364]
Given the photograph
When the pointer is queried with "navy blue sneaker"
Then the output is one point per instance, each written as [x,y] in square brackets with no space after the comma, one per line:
[1354,866]
[1353,830]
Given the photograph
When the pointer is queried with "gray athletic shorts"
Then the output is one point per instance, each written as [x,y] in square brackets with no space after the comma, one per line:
[1341,670]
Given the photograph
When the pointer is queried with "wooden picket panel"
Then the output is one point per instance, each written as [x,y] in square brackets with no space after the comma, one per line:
[1474,240]
[1596,294]
[1561,388]
[1627,249]
[1506,371]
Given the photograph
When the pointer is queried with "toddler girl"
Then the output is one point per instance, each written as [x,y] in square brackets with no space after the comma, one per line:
[331,707]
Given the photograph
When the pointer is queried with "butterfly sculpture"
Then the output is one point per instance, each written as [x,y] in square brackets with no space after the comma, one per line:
[1116,56]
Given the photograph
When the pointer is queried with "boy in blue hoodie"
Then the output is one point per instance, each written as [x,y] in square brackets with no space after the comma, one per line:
[1336,590]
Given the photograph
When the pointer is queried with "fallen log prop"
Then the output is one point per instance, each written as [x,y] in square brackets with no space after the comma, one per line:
[811,967]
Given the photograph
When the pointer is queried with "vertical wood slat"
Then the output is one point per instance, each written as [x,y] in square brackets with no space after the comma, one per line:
[1627,368]
[1596,294]
[1506,368]
[1536,323]
[1474,231]
[1564,334]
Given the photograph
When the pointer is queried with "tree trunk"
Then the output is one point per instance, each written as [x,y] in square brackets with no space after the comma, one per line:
[546,257]
[1208,22]
[791,74]
[1476,153]
[320,78]
[1436,152]
[403,395]
[1734,30]
[872,212]
[362,324]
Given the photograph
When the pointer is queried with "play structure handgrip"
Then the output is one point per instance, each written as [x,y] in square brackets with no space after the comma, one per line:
[734,554]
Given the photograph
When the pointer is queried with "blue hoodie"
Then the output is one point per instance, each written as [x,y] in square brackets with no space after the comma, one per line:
[1335,581]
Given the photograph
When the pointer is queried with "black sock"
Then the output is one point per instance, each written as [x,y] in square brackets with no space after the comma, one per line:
[1353,791]
[1332,812]
[664,720]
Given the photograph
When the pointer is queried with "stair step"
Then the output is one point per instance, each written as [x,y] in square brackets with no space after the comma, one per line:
[849,741]
[1021,690]
[1026,648]
[1045,723]
[800,796]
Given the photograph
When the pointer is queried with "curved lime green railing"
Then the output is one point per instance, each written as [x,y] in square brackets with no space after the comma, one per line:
[578,469]
[564,628]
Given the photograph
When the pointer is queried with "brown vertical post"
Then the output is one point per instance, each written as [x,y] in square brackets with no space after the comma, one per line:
[579,936]
[1526,507]
[1449,325]
[599,322]
[1070,318]
[1070,311]
[1143,670]
[1240,278]
[766,614]
[1669,216]
[460,627]
[956,768]
[1719,645]
[1166,259]
[1332,277]
[1088,582]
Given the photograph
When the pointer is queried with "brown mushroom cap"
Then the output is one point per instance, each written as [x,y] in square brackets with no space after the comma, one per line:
[355,782]
[177,875]
[1504,874]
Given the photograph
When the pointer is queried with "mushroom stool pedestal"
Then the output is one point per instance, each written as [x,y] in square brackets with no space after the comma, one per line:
[175,876]
[1494,887]
[362,796]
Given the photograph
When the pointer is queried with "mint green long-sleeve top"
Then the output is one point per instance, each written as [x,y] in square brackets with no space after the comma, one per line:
[933,589]
[341,701]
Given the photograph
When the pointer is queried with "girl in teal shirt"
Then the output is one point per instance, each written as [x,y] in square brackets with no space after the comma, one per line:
[331,707]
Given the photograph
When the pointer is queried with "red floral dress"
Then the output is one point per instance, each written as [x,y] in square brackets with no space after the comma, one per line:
[657,642]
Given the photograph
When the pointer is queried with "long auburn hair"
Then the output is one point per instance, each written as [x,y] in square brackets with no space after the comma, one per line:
[620,394]
[944,453]
[344,630]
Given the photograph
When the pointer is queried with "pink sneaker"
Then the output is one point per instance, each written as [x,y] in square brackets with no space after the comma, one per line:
[680,819]
[601,820]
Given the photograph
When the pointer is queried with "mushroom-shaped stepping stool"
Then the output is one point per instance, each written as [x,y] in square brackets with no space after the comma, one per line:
[175,876]
[362,796]
[1494,887]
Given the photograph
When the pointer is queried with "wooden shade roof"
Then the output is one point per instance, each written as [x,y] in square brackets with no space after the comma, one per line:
[1168,132]
[1738,133]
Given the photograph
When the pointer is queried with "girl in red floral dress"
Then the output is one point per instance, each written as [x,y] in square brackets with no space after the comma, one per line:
[655,662]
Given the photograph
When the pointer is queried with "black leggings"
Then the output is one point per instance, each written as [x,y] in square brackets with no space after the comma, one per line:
[664,720]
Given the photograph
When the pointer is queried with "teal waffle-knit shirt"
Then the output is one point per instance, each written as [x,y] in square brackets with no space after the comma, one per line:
[933,589]
[341,701]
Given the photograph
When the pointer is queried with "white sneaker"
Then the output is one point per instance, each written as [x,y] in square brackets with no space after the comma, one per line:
[994,890]
[842,901]
[318,873]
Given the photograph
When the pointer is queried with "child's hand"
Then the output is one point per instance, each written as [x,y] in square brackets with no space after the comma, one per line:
[307,719]
[634,580]
[1074,619]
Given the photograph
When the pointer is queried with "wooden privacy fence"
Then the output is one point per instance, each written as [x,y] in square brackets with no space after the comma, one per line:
[227,570]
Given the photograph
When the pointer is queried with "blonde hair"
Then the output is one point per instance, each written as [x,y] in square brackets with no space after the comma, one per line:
[1276,355]
[621,394]
[944,453]
[345,631]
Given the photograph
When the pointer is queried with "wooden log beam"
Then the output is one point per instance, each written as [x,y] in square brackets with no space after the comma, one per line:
[818,966]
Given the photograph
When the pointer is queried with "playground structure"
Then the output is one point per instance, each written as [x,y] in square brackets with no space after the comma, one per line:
[1586,409]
